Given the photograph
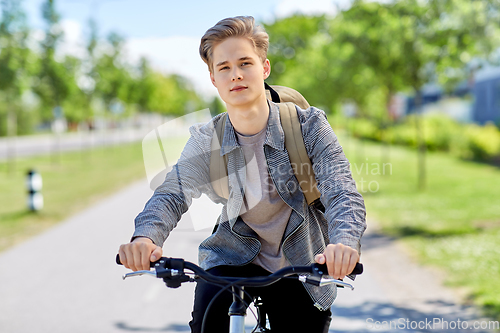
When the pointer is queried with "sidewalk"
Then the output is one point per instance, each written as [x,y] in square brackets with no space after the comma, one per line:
[65,280]
[49,143]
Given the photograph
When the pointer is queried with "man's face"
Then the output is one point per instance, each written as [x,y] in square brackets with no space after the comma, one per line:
[238,73]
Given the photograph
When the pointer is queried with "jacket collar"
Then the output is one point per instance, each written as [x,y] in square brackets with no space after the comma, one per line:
[275,137]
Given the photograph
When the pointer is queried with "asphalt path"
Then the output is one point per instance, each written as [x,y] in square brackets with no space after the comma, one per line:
[44,144]
[65,280]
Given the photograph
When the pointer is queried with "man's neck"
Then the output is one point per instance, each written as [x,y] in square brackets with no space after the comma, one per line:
[249,119]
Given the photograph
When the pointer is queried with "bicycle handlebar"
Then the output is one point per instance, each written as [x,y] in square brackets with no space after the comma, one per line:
[358,269]
[171,270]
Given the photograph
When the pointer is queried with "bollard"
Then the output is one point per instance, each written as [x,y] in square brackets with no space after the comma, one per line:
[34,185]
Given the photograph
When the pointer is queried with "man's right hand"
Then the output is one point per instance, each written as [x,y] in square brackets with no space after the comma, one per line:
[138,254]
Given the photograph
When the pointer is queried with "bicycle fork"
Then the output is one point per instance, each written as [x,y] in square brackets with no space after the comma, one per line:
[237,312]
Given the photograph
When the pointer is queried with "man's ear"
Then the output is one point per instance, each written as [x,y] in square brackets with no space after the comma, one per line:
[212,79]
[267,68]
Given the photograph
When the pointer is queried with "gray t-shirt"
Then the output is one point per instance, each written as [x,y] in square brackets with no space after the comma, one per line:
[263,209]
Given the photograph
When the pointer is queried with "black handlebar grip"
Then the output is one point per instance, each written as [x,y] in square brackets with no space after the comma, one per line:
[358,269]
[151,264]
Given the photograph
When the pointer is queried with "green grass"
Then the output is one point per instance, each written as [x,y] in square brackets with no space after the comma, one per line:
[453,224]
[73,182]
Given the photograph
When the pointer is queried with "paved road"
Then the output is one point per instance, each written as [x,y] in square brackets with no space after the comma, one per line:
[21,146]
[48,143]
[65,280]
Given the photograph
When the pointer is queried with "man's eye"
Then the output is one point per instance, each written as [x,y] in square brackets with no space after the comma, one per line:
[245,63]
[223,68]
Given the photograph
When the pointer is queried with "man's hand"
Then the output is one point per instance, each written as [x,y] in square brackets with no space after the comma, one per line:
[138,254]
[339,258]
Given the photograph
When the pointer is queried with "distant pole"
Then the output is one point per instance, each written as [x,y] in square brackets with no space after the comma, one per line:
[11,141]
[421,148]
[58,126]
[34,185]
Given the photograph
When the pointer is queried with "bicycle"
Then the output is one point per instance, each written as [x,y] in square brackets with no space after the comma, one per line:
[171,270]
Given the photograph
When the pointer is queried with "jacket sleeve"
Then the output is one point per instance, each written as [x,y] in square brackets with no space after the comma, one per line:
[188,179]
[344,205]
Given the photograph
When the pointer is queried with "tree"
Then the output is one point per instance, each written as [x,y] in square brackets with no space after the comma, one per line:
[374,32]
[114,80]
[375,49]
[216,106]
[90,73]
[75,105]
[173,95]
[14,72]
[144,86]
[53,85]
[289,37]
[14,61]
[438,43]
[167,94]
[409,43]
[305,55]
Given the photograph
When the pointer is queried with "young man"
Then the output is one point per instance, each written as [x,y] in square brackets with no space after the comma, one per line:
[266,223]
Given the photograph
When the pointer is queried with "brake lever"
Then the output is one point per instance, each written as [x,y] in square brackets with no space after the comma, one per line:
[139,273]
[320,281]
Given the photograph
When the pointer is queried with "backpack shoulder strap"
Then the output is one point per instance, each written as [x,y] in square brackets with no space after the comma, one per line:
[218,164]
[294,143]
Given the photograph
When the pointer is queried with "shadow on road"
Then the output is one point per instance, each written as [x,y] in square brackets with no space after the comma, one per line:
[169,328]
[370,317]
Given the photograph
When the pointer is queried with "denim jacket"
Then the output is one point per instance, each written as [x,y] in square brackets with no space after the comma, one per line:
[235,243]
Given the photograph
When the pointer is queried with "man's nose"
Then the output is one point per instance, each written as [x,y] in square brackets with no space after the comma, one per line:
[236,75]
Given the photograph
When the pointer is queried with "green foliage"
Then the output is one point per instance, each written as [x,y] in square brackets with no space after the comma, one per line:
[403,134]
[483,142]
[376,36]
[143,87]
[114,80]
[441,133]
[216,106]
[15,68]
[170,95]
[364,128]
[55,80]
[289,37]
[25,116]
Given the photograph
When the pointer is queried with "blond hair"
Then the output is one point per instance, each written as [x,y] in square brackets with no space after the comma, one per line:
[239,26]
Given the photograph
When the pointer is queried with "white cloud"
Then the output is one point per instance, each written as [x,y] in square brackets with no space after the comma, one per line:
[311,7]
[73,42]
[287,8]
[177,55]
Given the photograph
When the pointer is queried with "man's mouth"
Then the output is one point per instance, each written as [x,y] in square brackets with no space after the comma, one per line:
[238,88]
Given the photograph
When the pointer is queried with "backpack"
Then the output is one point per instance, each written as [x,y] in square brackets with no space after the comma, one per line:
[286,98]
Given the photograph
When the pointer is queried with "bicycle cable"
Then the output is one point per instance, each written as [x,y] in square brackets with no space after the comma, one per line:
[224,288]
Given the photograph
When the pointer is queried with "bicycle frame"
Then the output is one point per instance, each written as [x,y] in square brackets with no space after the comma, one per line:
[237,312]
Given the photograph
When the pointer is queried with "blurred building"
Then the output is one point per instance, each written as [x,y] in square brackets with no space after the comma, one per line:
[475,101]
[486,91]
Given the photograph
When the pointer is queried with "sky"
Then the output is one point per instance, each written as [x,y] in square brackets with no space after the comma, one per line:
[167,32]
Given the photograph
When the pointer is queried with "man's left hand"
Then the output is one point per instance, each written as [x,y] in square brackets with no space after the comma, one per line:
[339,258]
